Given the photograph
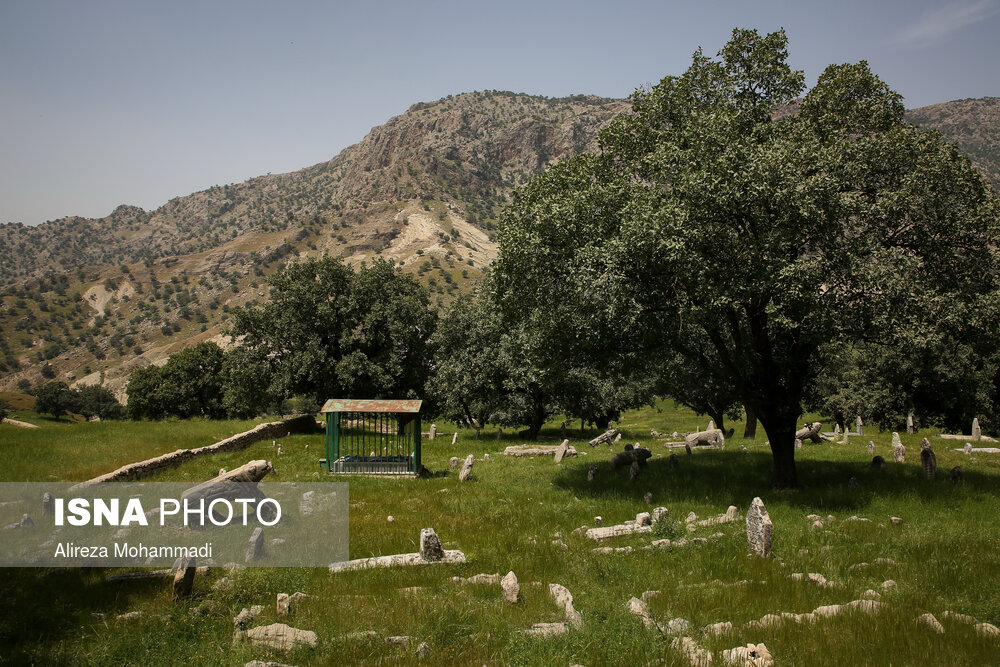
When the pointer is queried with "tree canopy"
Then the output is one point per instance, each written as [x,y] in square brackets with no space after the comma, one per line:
[743,229]
[329,331]
[188,385]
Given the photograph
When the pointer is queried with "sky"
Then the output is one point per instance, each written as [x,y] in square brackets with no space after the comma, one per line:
[136,102]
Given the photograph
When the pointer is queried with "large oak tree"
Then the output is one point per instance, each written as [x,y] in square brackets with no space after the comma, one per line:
[732,222]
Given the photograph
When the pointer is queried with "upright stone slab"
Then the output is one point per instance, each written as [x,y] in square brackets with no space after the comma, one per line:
[511,589]
[561,452]
[466,468]
[895,439]
[433,432]
[48,504]
[927,459]
[759,529]
[871,447]
[453,462]
[899,453]
[255,545]
[660,514]
[909,422]
[430,545]
[184,579]
[859,426]
[454,439]
[977,433]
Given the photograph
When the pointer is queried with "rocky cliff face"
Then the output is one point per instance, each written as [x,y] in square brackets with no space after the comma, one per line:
[470,150]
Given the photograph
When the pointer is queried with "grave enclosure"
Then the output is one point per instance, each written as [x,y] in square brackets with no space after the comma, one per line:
[372,436]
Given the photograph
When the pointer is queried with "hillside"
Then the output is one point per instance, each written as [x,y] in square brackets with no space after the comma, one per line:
[972,124]
[96,298]
[89,300]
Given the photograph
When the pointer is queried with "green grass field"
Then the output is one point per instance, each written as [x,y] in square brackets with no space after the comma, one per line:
[944,556]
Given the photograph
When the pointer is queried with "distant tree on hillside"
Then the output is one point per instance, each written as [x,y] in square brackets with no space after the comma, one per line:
[96,401]
[188,385]
[56,399]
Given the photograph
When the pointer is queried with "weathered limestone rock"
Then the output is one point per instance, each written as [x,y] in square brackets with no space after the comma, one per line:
[931,623]
[732,514]
[719,628]
[453,462]
[281,637]
[423,651]
[306,503]
[283,604]
[899,453]
[255,545]
[871,447]
[987,629]
[606,437]
[712,438]
[454,439]
[751,655]
[561,452]
[463,475]
[430,545]
[859,426]
[546,629]
[538,450]
[956,474]
[48,504]
[478,579]
[643,519]
[184,579]
[433,432]
[810,431]
[265,663]
[909,422]
[591,473]
[677,626]
[607,532]
[759,529]
[660,514]
[641,609]
[511,589]
[696,655]
[977,433]
[564,599]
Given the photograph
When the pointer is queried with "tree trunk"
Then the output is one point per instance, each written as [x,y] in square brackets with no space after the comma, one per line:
[537,418]
[780,429]
[750,428]
[719,419]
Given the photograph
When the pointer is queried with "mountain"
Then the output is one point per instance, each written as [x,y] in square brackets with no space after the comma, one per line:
[89,300]
[972,124]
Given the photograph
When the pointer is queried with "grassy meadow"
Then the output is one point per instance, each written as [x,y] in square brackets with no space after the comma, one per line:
[944,556]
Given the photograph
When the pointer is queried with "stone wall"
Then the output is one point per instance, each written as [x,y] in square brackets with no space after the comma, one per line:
[140,469]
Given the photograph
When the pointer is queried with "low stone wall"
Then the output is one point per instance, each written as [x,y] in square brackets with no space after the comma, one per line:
[140,469]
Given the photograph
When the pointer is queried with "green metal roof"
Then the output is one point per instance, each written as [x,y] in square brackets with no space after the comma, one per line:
[371,405]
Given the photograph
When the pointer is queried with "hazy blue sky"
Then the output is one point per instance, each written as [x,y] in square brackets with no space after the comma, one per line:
[104,103]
